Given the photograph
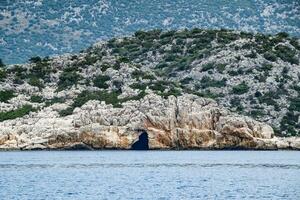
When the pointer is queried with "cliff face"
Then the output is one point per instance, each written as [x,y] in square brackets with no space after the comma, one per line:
[185,122]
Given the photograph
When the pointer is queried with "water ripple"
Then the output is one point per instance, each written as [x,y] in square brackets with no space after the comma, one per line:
[149,165]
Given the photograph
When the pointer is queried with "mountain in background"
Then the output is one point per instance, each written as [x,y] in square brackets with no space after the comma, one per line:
[29,28]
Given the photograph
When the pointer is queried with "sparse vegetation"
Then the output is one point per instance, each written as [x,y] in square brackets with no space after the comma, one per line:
[67,79]
[36,99]
[34,81]
[6,95]
[66,112]
[2,74]
[1,63]
[36,59]
[208,82]
[207,67]
[100,81]
[240,88]
[54,100]
[20,112]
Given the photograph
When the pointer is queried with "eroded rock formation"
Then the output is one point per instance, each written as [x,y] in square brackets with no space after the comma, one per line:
[185,122]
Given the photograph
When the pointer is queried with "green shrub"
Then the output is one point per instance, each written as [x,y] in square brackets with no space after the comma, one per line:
[268,98]
[159,86]
[220,67]
[270,56]
[257,94]
[19,71]
[296,88]
[233,73]
[6,95]
[36,99]
[40,69]
[207,94]
[35,59]
[20,112]
[89,60]
[18,80]
[262,77]
[67,79]
[207,67]
[105,66]
[167,34]
[108,97]
[289,124]
[282,35]
[235,102]
[65,112]
[182,63]
[295,43]
[208,82]
[2,74]
[116,66]
[295,104]
[137,74]
[253,54]
[148,35]
[286,54]
[148,76]
[265,67]
[171,92]
[2,65]
[54,100]
[240,88]
[170,57]
[186,80]
[100,81]
[134,98]
[161,65]
[34,81]
[226,36]
[140,86]
[123,60]
[257,113]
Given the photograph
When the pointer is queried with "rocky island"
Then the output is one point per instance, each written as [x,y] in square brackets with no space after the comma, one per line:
[185,89]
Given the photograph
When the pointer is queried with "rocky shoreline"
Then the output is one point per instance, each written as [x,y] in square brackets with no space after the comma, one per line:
[186,122]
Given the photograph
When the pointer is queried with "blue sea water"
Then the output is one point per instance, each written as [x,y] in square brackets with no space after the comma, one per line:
[150,175]
[43,27]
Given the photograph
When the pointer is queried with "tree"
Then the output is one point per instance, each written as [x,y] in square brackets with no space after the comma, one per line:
[1,63]
[35,59]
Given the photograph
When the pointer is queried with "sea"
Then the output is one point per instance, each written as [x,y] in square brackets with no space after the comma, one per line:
[85,175]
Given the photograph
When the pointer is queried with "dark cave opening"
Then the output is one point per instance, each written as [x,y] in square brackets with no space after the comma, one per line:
[142,143]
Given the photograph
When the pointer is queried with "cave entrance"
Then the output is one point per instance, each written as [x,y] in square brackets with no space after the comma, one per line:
[142,143]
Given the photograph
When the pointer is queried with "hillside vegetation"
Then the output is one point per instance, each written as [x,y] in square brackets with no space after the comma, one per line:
[252,74]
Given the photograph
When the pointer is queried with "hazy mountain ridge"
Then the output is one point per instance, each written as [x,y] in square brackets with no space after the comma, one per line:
[29,27]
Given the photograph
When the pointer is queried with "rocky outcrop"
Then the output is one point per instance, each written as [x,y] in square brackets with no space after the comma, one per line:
[184,122]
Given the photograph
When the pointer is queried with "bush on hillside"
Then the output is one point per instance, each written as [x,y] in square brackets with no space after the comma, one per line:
[100,81]
[34,81]
[36,99]
[67,79]
[240,88]
[6,95]
[20,112]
